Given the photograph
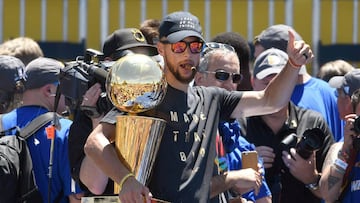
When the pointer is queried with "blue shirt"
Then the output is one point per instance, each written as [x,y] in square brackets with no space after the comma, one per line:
[39,147]
[352,194]
[317,95]
[234,144]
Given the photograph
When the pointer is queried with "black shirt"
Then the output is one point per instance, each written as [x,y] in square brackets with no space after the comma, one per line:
[184,164]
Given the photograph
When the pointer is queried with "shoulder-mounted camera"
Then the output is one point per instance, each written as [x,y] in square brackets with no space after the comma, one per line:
[79,75]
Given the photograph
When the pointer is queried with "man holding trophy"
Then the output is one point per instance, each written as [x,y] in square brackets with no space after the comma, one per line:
[183,165]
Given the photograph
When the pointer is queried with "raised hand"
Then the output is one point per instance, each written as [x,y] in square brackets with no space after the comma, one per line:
[298,51]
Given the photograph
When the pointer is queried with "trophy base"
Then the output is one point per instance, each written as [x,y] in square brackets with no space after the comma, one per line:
[137,141]
[100,199]
[112,199]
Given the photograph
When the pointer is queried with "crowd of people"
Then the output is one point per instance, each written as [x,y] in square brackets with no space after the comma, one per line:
[218,106]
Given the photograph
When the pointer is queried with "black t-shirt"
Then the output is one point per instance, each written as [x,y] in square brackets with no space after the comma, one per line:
[284,187]
[184,164]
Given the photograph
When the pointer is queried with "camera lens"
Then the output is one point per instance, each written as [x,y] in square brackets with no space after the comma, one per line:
[311,140]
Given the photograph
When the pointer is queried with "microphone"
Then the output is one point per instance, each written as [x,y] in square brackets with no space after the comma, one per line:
[193,68]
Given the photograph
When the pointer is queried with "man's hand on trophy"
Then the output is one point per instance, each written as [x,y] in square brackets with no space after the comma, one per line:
[298,51]
[134,192]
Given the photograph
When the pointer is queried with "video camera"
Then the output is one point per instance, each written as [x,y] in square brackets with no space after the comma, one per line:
[79,75]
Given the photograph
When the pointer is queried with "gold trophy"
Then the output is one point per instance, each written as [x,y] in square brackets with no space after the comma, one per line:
[135,84]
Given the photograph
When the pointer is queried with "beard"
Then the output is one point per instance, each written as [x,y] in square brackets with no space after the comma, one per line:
[176,73]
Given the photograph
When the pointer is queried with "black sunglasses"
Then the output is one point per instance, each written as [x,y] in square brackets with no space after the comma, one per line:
[223,76]
[180,47]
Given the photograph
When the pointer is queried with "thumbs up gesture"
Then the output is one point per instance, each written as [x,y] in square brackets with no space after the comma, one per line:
[298,51]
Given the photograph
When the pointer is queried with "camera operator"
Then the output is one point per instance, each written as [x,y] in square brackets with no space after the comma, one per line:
[120,43]
[291,177]
[341,174]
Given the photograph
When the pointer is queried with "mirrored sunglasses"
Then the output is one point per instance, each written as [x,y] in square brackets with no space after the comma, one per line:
[180,47]
[224,76]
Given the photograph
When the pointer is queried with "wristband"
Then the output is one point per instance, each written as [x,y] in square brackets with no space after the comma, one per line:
[123,180]
[341,164]
[291,62]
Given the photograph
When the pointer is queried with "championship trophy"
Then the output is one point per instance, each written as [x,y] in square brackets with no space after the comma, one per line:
[136,83]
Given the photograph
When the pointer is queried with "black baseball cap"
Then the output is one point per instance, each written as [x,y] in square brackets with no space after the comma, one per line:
[349,82]
[42,71]
[179,25]
[12,70]
[276,36]
[126,38]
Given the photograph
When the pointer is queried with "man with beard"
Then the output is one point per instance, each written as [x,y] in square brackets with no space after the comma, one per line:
[183,167]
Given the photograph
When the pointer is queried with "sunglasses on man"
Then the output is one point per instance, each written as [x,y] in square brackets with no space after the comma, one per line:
[224,76]
[180,46]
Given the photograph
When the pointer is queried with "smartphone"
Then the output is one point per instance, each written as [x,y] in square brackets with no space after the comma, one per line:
[249,159]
